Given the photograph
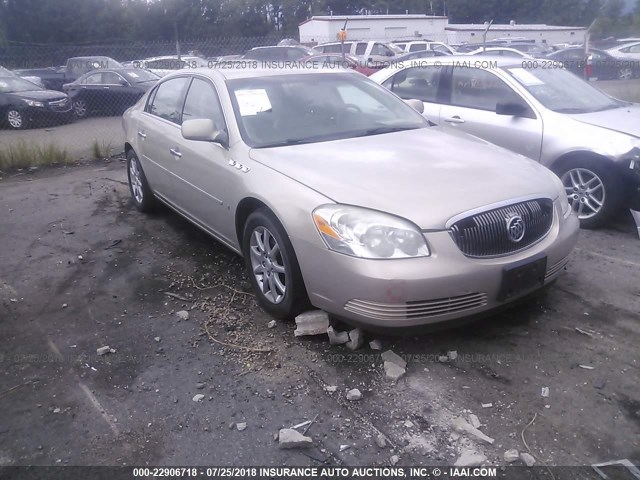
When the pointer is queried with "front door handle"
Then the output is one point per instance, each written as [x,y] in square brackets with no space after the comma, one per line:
[456,119]
[175,152]
[142,134]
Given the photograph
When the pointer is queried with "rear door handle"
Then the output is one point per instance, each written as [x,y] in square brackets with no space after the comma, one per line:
[455,119]
[175,152]
[142,134]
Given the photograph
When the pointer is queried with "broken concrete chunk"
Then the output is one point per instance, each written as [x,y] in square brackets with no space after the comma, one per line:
[528,459]
[183,315]
[487,405]
[391,356]
[354,395]
[330,388]
[198,398]
[337,338]
[290,438]
[344,447]
[241,426]
[511,456]
[356,339]
[104,350]
[545,392]
[381,441]
[394,459]
[469,458]
[315,322]
[393,372]
[375,345]
[474,420]
[461,425]
[271,324]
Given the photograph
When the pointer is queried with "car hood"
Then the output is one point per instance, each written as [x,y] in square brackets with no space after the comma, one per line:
[427,175]
[40,95]
[624,119]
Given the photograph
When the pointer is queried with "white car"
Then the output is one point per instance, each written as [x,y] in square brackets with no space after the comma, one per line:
[626,50]
[500,51]
[420,45]
[165,65]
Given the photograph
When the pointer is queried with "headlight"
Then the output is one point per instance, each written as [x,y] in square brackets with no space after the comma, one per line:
[365,233]
[33,103]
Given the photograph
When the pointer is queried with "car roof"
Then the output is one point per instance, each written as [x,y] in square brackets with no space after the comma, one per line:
[500,62]
[238,73]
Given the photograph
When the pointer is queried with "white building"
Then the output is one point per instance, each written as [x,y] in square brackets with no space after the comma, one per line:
[549,34]
[319,29]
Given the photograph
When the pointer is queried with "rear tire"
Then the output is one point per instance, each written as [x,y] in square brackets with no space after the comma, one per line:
[272,266]
[593,188]
[80,108]
[141,193]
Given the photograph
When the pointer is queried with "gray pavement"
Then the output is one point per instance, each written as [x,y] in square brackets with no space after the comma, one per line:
[80,269]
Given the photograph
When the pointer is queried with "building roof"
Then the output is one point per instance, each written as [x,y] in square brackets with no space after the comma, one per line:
[479,27]
[351,18]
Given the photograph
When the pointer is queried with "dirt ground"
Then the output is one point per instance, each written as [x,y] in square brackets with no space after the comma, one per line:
[80,269]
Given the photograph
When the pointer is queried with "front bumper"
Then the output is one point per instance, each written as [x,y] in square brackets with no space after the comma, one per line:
[424,291]
[47,114]
[631,174]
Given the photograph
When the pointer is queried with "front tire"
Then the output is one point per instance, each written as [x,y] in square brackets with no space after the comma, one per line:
[593,189]
[272,266]
[16,119]
[141,194]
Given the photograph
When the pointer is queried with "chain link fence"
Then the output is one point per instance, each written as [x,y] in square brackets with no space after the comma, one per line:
[90,86]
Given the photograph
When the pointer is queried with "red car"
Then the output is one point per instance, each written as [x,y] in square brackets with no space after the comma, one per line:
[335,60]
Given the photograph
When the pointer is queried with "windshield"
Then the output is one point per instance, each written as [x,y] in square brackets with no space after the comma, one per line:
[306,108]
[562,91]
[16,84]
[140,76]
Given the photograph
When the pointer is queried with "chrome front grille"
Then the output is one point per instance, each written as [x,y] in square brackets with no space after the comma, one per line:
[416,310]
[486,234]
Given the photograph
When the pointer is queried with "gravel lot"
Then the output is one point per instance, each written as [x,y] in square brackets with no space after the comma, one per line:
[81,269]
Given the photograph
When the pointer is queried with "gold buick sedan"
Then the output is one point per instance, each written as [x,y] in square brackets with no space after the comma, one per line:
[341,196]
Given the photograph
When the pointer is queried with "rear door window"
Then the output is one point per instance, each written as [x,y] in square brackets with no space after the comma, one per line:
[420,83]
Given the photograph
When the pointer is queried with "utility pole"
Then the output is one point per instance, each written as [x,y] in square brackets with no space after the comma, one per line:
[484,36]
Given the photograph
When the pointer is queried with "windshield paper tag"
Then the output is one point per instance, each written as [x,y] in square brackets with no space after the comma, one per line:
[526,78]
[252,102]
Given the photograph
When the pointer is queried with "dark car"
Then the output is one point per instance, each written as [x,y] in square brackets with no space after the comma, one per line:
[598,65]
[24,104]
[278,54]
[54,78]
[109,91]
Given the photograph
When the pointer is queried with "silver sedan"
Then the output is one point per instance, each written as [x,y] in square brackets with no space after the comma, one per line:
[341,196]
[538,109]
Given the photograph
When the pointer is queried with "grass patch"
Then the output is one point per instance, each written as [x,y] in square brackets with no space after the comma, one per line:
[101,150]
[20,155]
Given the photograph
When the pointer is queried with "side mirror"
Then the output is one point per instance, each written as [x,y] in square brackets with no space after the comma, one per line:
[204,130]
[511,109]
[417,105]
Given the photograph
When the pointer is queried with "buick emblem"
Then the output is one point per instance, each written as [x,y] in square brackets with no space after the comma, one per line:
[515,228]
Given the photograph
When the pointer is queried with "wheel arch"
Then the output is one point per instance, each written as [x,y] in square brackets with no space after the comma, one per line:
[566,158]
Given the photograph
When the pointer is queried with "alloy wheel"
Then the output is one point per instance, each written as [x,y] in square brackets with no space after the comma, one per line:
[136,180]
[80,108]
[267,265]
[625,74]
[14,118]
[585,190]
